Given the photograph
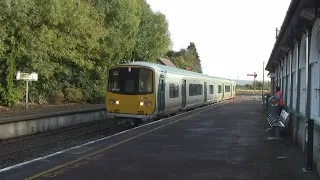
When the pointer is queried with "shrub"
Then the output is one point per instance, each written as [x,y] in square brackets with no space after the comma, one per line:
[57,97]
[74,95]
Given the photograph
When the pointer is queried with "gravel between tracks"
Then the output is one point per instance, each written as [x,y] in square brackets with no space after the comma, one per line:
[100,130]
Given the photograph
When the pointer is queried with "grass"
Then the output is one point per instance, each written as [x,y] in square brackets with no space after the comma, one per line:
[251,92]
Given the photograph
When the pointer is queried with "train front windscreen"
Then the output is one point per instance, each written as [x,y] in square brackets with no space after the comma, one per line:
[130,80]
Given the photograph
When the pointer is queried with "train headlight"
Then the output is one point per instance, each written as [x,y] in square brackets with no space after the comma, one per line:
[144,103]
[111,102]
[117,102]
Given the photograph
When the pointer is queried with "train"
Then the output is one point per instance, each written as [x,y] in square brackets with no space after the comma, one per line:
[140,92]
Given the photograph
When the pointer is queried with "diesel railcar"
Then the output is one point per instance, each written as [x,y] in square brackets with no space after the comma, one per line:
[144,91]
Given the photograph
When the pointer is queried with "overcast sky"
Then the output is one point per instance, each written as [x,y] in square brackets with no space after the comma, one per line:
[233,37]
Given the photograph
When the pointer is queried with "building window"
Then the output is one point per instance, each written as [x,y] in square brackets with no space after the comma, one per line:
[195,89]
[210,89]
[174,90]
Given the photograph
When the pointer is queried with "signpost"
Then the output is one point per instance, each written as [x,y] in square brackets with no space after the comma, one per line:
[254,82]
[27,77]
[263,81]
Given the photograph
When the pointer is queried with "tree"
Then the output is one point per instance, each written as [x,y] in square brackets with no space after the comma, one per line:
[153,39]
[186,58]
[192,58]
[71,44]
[122,19]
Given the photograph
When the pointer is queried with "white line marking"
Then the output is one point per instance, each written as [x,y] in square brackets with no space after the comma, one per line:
[128,130]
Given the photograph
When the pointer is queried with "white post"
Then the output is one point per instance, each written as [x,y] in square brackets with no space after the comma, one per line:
[27,91]
[262,79]
[254,84]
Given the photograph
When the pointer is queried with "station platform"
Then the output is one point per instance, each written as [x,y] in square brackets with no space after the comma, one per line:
[225,141]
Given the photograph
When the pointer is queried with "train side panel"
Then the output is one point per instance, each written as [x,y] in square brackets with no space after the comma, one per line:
[219,90]
[227,90]
[210,91]
[173,95]
[194,89]
[234,89]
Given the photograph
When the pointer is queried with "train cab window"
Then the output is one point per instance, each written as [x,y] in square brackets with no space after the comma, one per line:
[233,88]
[134,81]
[114,82]
[145,81]
[210,89]
[219,89]
[173,90]
[129,85]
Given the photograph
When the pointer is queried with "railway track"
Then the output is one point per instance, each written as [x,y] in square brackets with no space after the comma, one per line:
[13,151]
[47,144]
[10,141]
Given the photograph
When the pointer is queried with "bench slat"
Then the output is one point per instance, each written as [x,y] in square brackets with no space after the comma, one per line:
[278,121]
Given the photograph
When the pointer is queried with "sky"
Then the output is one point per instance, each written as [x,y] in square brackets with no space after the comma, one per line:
[232,38]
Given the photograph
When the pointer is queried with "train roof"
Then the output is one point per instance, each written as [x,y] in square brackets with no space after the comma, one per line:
[161,67]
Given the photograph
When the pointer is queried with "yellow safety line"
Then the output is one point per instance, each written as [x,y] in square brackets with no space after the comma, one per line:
[104,149]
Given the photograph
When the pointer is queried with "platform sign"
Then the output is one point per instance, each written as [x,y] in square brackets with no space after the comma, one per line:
[255,75]
[27,77]
[273,75]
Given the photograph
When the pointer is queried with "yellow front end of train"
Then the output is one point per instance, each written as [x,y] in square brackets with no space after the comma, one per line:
[131,94]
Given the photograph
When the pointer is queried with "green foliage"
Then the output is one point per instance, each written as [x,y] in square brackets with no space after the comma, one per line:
[57,97]
[153,39]
[74,95]
[71,44]
[258,86]
[186,58]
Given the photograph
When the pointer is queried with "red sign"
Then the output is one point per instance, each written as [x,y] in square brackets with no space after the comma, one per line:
[255,75]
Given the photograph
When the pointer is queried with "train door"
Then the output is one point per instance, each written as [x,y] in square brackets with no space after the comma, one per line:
[161,94]
[231,90]
[184,93]
[223,89]
[205,91]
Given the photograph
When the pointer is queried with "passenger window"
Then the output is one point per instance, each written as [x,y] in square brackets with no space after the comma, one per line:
[195,89]
[227,88]
[211,89]
[173,90]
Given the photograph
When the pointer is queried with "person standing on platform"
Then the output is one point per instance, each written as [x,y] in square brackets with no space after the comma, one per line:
[279,96]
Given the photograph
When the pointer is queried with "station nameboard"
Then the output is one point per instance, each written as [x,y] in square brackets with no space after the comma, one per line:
[27,76]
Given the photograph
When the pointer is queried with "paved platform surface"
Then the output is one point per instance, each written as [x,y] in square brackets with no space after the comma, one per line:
[221,142]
